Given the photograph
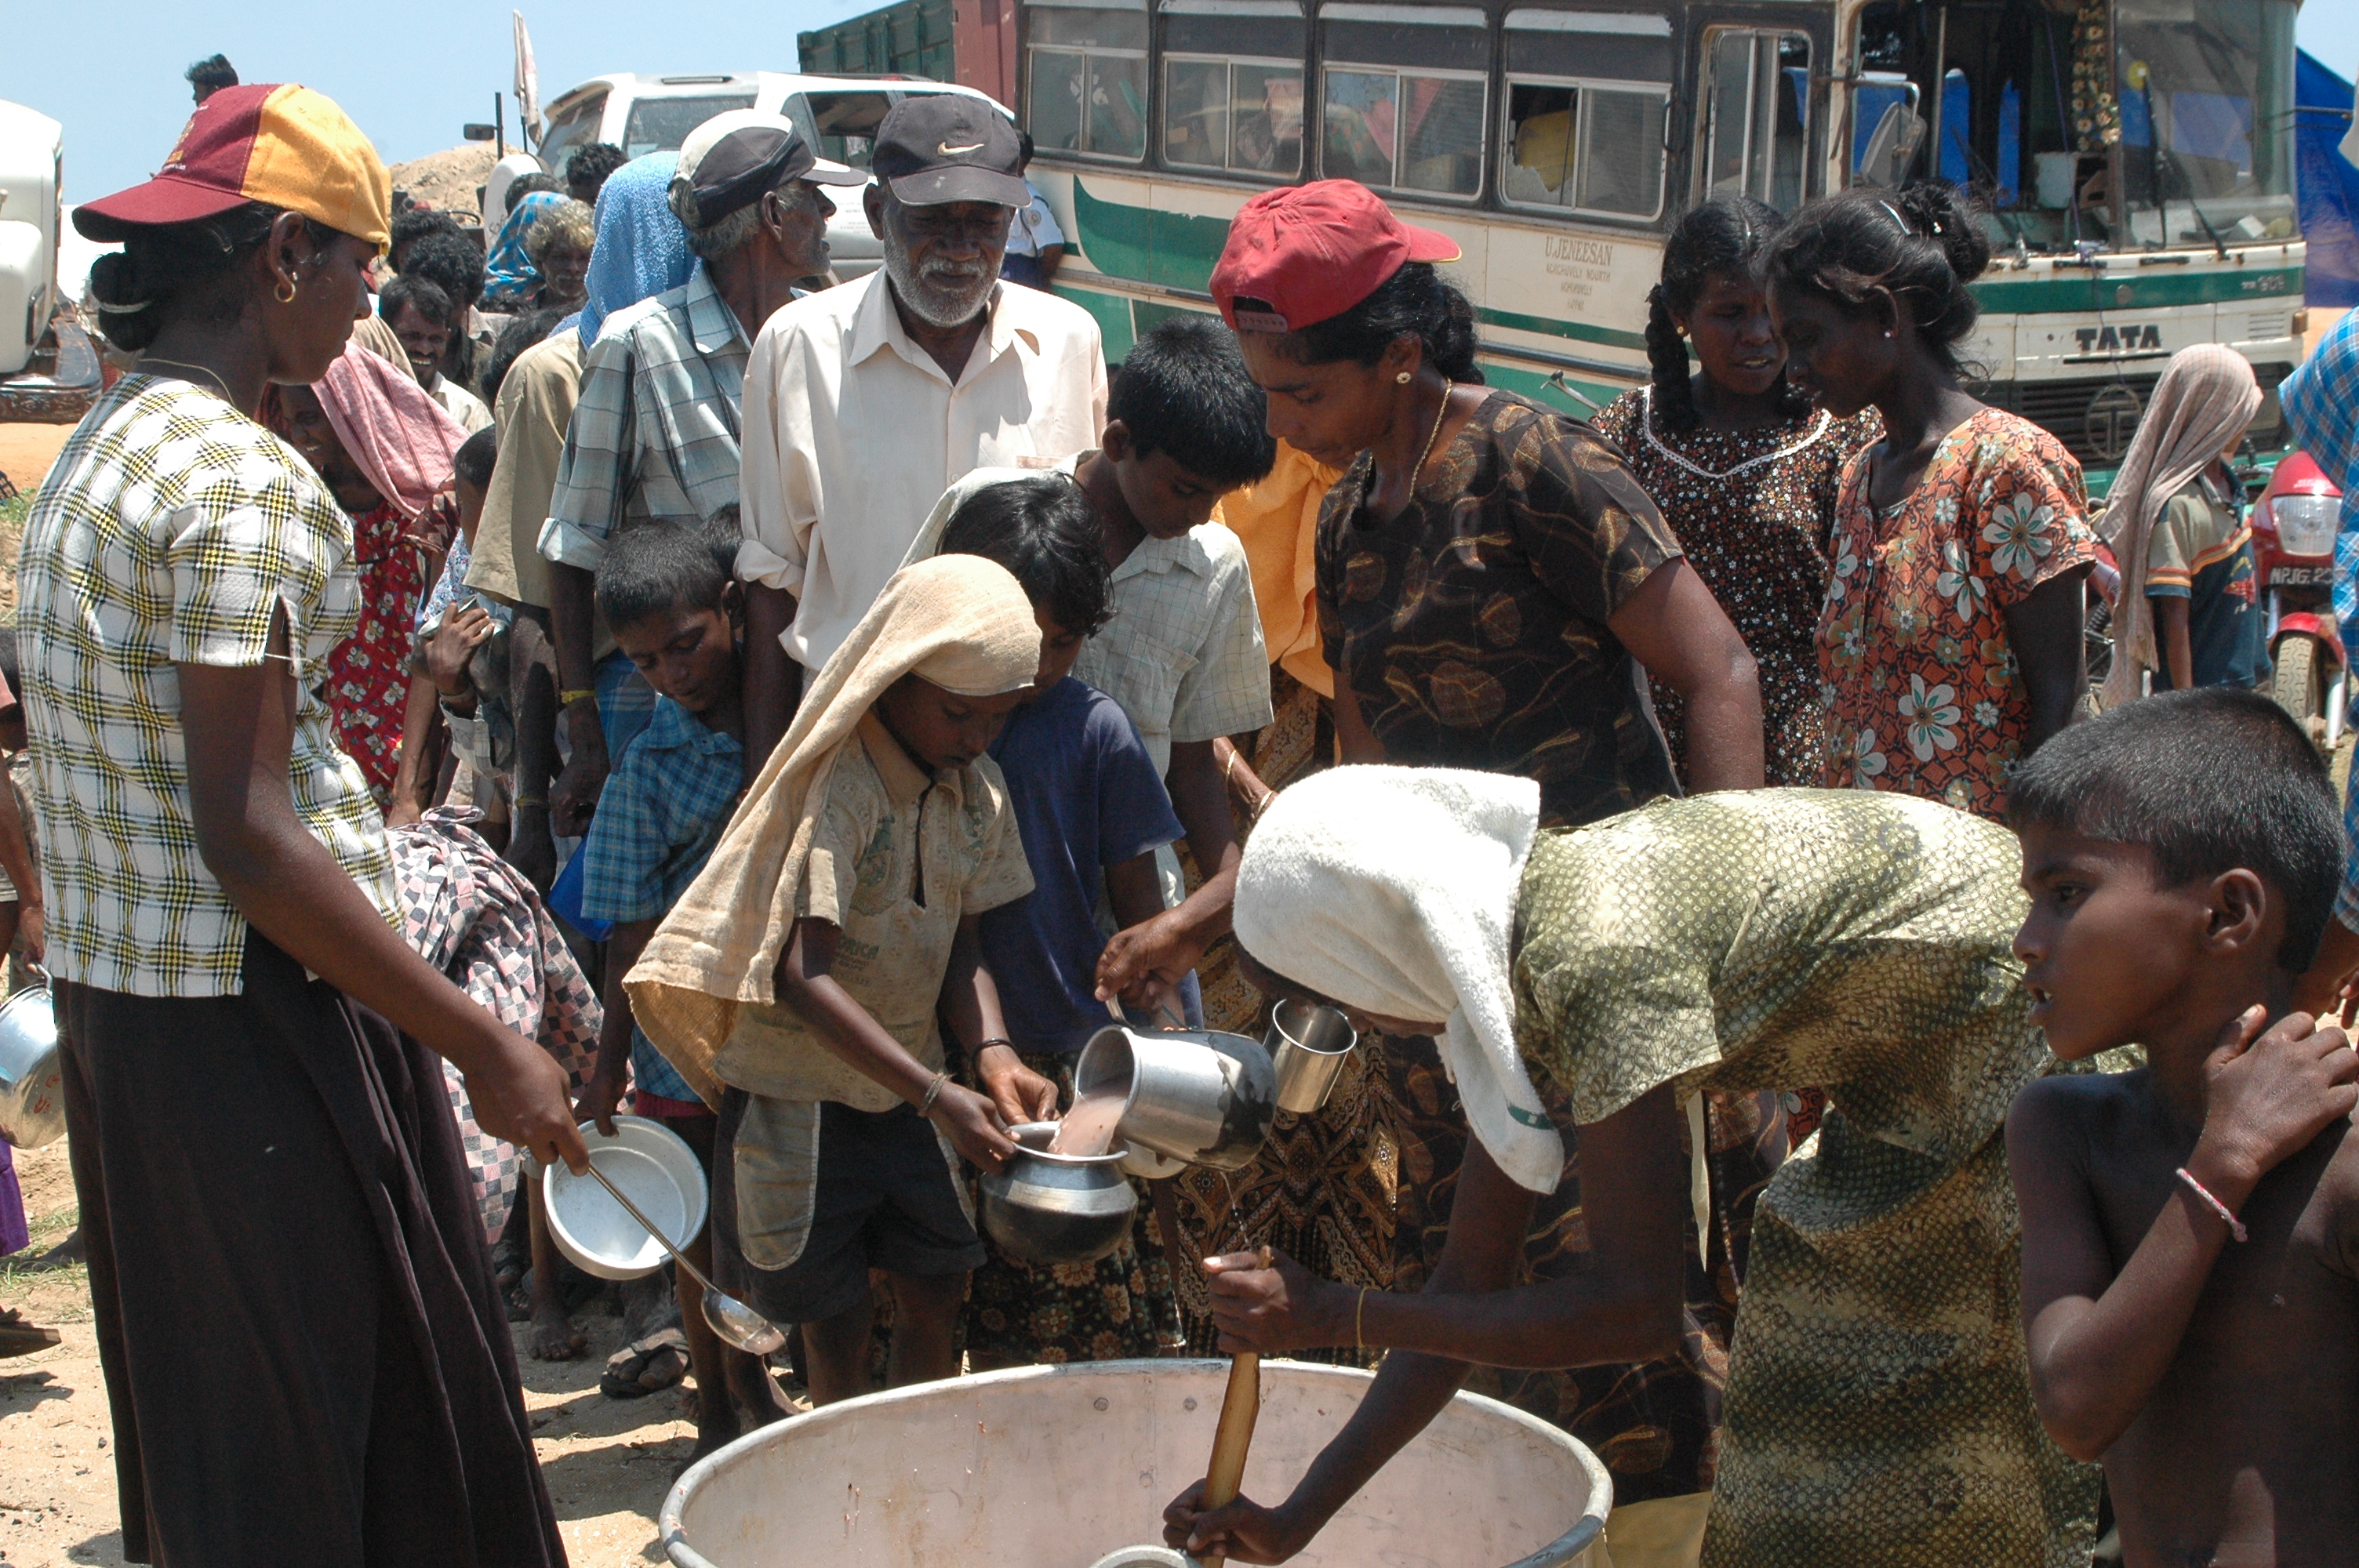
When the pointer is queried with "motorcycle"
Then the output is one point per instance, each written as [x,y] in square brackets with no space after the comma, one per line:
[2293,549]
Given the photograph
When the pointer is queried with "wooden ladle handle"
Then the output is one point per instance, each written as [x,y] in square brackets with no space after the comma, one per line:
[1240,1407]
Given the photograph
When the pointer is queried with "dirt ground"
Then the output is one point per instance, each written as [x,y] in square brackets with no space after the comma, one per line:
[27,451]
[609,1462]
[447,180]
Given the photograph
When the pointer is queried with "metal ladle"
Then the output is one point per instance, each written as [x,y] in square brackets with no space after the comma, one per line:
[733,1320]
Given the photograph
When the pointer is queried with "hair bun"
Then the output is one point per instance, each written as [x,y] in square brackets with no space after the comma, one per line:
[1936,211]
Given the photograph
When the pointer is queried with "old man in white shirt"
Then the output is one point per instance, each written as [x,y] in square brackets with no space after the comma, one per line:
[864,403]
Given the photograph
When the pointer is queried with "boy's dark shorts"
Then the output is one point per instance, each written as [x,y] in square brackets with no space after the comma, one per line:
[886,1198]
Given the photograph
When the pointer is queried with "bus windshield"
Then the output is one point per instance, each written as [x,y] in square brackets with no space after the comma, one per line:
[2206,100]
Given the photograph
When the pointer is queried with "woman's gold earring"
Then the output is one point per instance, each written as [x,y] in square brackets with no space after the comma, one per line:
[1402,378]
[286,291]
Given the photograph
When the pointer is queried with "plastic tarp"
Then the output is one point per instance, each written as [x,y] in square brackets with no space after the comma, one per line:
[2326,184]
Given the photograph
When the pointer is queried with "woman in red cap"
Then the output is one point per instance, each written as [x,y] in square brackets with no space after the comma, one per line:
[1495,589]
[306,1357]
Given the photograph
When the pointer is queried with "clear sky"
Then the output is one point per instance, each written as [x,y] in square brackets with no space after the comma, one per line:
[411,74]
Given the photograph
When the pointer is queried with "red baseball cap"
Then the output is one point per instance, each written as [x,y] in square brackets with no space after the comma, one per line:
[1312,252]
[283,145]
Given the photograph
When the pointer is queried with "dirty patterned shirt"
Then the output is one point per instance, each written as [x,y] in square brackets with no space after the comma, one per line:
[898,857]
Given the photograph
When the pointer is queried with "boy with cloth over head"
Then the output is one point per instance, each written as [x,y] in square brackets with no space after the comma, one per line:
[2191,1230]
[798,981]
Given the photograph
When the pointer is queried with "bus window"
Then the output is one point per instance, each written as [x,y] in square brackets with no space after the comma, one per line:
[1086,85]
[1407,113]
[1585,146]
[1759,103]
[1232,86]
[2206,128]
[1587,93]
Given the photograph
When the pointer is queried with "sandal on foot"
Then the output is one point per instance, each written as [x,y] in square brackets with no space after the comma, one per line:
[645,1366]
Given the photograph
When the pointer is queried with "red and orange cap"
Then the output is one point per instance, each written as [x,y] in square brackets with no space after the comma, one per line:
[285,145]
[1311,252]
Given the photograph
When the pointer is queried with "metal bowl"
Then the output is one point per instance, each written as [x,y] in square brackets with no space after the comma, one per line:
[32,1081]
[1056,1208]
[656,1168]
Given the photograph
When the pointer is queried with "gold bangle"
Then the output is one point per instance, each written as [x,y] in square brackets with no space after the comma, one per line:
[1359,1311]
[578,694]
[1229,768]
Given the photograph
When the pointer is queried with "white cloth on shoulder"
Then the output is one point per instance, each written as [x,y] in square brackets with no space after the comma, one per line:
[1393,890]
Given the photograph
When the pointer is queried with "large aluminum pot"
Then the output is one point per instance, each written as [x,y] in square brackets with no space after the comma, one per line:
[1197,1095]
[1056,1208]
[1055,1467]
[32,1081]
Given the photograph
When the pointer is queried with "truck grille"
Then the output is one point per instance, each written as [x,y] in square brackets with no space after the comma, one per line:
[2096,417]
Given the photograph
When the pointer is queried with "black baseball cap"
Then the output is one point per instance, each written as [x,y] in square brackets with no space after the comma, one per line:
[734,159]
[946,146]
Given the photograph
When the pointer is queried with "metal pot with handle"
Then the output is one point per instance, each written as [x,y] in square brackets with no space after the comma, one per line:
[32,1081]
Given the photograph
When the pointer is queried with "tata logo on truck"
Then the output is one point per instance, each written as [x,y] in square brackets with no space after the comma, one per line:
[2118,339]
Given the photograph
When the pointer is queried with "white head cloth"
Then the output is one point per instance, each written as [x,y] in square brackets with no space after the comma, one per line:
[1393,890]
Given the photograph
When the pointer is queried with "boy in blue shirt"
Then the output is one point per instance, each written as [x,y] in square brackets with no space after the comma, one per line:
[669,594]
[1093,812]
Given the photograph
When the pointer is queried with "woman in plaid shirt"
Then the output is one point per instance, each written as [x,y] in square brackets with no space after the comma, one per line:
[295,1314]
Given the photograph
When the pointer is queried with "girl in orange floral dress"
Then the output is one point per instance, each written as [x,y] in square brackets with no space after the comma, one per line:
[1950,643]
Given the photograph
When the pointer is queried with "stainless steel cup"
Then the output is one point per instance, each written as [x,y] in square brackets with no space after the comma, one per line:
[1307,1044]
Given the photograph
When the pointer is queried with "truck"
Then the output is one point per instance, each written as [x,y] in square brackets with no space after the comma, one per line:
[969,42]
[48,369]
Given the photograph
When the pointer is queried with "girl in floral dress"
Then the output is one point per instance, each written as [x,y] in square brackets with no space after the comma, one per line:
[1950,642]
[1742,467]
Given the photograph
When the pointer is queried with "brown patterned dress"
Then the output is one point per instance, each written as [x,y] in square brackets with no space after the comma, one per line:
[1472,628]
[1753,509]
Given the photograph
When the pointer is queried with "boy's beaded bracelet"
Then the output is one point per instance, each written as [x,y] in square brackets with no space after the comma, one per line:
[2235,1226]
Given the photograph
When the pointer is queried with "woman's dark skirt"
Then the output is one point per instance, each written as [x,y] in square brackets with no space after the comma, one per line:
[306,1356]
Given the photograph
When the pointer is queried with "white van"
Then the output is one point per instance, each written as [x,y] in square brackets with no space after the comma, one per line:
[643,114]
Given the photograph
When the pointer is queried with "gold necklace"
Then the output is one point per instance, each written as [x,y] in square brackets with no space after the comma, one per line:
[1430,437]
[147,360]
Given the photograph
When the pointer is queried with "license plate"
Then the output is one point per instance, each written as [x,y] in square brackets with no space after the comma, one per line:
[2301,577]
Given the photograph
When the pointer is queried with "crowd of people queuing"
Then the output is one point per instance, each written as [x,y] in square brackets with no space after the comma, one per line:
[473,689]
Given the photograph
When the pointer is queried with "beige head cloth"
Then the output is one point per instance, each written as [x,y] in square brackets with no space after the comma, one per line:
[959,622]
[2204,400]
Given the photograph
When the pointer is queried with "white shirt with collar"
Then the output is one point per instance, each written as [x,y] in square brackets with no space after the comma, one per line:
[853,432]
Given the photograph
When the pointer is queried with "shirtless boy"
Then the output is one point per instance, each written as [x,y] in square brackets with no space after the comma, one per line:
[2191,1230]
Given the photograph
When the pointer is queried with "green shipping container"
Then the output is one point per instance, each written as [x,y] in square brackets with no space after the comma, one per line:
[911,39]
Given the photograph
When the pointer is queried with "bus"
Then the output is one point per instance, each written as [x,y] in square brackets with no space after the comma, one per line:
[2133,159]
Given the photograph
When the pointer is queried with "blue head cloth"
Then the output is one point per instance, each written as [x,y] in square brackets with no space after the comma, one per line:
[509,271]
[642,247]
